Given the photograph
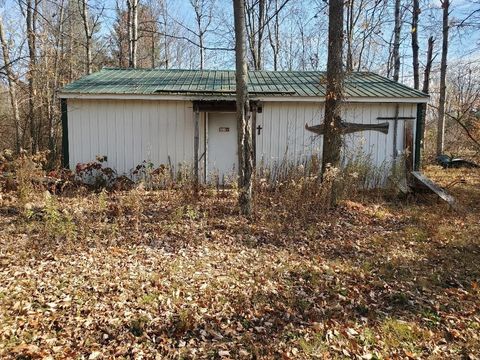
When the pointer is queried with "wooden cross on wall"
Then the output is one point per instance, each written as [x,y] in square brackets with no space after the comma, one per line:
[259,129]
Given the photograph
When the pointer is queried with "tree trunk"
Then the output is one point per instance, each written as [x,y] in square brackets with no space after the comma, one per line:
[332,141]
[255,26]
[202,50]
[415,14]
[396,75]
[245,156]
[273,36]
[251,31]
[350,35]
[396,42]
[31,20]
[428,66]
[261,24]
[396,72]
[134,32]
[88,37]
[59,53]
[153,45]
[198,9]
[132,29]
[165,16]
[443,75]
[202,54]
[12,87]
[425,89]
[70,46]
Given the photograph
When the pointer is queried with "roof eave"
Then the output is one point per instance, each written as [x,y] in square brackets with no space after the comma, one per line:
[96,96]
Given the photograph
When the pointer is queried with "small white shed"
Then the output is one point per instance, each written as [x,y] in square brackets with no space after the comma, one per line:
[136,115]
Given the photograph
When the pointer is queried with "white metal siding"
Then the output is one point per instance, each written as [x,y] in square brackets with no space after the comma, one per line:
[131,131]
[284,137]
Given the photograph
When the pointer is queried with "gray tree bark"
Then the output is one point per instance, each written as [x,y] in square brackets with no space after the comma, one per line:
[134,32]
[274,37]
[245,153]
[426,86]
[31,24]
[332,140]
[428,66]
[396,42]
[203,19]
[53,104]
[255,26]
[165,19]
[12,86]
[415,47]
[443,76]
[350,25]
[88,36]
[132,24]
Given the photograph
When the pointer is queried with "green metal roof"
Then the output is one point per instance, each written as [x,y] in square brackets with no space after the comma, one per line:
[221,83]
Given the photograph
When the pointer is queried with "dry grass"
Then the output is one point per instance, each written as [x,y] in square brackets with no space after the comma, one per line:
[154,274]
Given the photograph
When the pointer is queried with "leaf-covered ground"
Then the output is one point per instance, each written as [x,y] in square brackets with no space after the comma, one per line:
[148,275]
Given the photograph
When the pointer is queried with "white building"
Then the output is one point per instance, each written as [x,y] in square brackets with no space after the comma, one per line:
[133,115]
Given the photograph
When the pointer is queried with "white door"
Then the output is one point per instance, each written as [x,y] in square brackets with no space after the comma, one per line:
[222,147]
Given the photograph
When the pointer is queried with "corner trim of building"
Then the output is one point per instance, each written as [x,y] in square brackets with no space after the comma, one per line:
[64,117]
[419,131]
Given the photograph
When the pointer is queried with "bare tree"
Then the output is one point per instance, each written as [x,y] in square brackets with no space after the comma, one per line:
[88,36]
[132,23]
[203,18]
[148,37]
[396,42]
[12,86]
[332,140]
[150,27]
[166,48]
[255,11]
[72,48]
[244,126]
[428,66]
[426,89]
[263,19]
[58,34]
[90,25]
[463,104]
[464,100]
[352,18]
[31,15]
[415,47]
[443,75]
[363,28]
[274,37]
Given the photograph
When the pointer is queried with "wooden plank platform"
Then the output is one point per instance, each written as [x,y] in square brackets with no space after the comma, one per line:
[428,184]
